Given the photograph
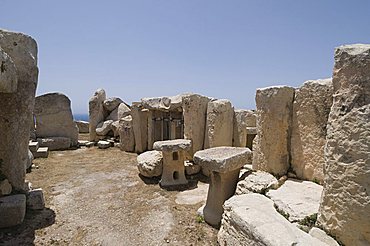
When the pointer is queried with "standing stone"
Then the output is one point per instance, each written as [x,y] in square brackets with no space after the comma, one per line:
[83,126]
[195,117]
[122,110]
[54,117]
[274,114]
[8,74]
[96,112]
[219,126]
[17,107]
[140,126]
[112,103]
[242,120]
[345,205]
[311,109]
[126,134]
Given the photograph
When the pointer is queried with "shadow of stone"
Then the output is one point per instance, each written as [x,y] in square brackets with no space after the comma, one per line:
[24,234]
[192,184]
[150,181]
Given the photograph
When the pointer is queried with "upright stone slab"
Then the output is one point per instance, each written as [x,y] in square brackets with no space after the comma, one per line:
[311,109]
[54,117]
[219,126]
[345,205]
[126,134]
[242,120]
[17,106]
[140,126]
[274,115]
[195,116]
[96,112]
[8,74]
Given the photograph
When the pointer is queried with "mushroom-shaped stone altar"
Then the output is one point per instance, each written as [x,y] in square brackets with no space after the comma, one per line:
[224,164]
[173,152]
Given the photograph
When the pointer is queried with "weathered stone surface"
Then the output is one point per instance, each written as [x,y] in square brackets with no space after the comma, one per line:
[35,199]
[172,145]
[299,199]
[55,143]
[83,126]
[163,103]
[97,112]
[140,125]
[222,159]
[274,110]
[191,168]
[12,210]
[122,110]
[195,117]
[219,124]
[150,163]
[16,108]
[111,103]
[42,152]
[8,74]
[103,144]
[311,109]
[251,219]
[322,236]
[257,182]
[104,128]
[126,134]
[30,159]
[5,187]
[54,117]
[242,119]
[345,206]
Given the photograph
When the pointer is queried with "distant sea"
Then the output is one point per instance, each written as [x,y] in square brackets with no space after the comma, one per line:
[84,117]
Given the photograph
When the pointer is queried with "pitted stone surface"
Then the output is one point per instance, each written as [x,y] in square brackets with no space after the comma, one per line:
[172,145]
[150,163]
[8,74]
[12,210]
[258,182]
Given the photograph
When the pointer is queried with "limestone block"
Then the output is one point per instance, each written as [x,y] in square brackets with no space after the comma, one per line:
[12,210]
[83,126]
[311,109]
[111,103]
[97,112]
[42,152]
[150,163]
[298,199]
[122,110]
[172,145]
[345,206]
[251,219]
[191,168]
[103,128]
[242,119]
[126,134]
[8,74]
[5,187]
[103,144]
[195,117]
[35,199]
[219,124]
[140,125]
[322,236]
[54,117]
[274,110]
[257,182]
[55,143]
[16,108]
[163,103]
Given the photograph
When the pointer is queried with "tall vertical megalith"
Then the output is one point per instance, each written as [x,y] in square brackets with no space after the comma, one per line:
[274,116]
[96,112]
[16,103]
[345,206]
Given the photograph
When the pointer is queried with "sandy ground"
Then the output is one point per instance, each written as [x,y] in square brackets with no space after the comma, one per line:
[96,197]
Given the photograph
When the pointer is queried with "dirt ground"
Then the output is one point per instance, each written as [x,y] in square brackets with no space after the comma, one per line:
[96,197]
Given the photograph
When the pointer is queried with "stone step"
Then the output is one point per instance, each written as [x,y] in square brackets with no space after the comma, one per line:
[42,152]
[33,146]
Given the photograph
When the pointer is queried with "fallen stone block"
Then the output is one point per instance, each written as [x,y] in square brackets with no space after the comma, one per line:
[12,210]
[33,146]
[35,199]
[257,182]
[55,143]
[83,126]
[42,152]
[103,144]
[150,163]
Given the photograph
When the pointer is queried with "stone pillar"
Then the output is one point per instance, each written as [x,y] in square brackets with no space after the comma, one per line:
[219,126]
[96,112]
[16,105]
[126,134]
[140,125]
[311,109]
[242,119]
[345,206]
[274,114]
[150,130]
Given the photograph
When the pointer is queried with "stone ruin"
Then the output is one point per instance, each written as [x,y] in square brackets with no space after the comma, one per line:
[18,81]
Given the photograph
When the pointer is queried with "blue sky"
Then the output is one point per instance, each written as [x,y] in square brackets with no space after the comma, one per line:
[222,49]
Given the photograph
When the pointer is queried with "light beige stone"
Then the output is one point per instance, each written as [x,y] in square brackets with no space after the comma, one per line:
[122,110]
[251,219]
[16,108]
[54,117]
[30,159]
[140,125]
[97,112]
[8,74]
[274,111]
[55,143]
[103,128]
[257,182]
[242,119]
[150,163]
[311,108]
[322,236]
[83,126]
[111,103]
[345,206]
[126,134]
[195,116]
[103,144]
[219,124]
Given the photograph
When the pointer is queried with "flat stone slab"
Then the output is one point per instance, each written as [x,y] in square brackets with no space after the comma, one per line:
[35,199]
[103,144]
[251,219]
[33,146]
[12,210]
[42,152]
[297,198]
[172,145]
[55,143]
[322,236]
[257,182]
[222,159]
